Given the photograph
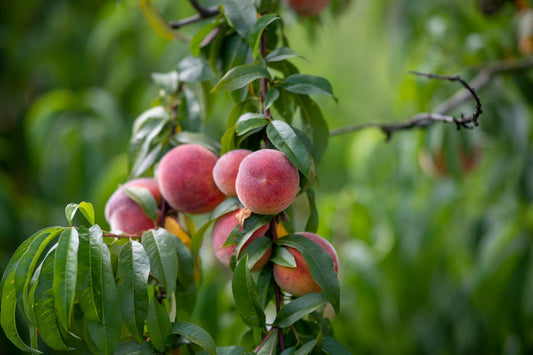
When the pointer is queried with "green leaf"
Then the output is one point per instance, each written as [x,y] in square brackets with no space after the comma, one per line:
[185,265]
[307,84]
[251,224]
[241,76]
[167,81]
[194,70]
[255,250]
[249,127]
[132,278]
[246,295]
[242,15]
[197,239]
[65,274]
[265,285]
[254,38]
[27,262]
[86,209]
[315,125]
[287,141]
[230,350]
[283,257]
[270,347]
[158,113]
[159,327]
[271,96]
[144,198]
[280,54]
[312,221]
[333,347]
[106,333]
[197,138]
[133,348]
[46,317]
[198,38]
[298,308]
[307,348]
[195,334]
[161,249]
[7,316]
[228,205]
[320,265]
[157,21]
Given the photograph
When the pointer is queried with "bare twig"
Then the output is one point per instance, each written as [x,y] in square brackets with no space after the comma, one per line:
[423,120]
[203,13]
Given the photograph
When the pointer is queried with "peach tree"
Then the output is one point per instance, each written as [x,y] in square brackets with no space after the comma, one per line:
[130,289]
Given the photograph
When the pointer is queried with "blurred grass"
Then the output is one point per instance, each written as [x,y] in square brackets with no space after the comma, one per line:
[430,263]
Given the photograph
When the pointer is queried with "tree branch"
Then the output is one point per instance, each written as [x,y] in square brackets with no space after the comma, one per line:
[203,13]
[423,120]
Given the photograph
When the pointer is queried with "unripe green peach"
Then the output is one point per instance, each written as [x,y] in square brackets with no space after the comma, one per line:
[124,214]
[267,182]
[226,168]
[185,178]
[222,229]
[298,280]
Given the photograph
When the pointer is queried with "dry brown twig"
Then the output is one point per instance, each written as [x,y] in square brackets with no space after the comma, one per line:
[426,119]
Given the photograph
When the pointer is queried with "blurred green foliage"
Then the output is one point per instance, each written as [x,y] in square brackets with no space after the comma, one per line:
[431,263]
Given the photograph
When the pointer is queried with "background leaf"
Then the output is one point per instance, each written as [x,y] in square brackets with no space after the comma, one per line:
[307,85]
[242,15]
[195,334]
[159,327]
[246,296]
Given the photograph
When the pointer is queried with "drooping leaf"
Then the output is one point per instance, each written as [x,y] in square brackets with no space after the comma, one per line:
[246,295]
[132,277]
[185,265]
[194,70]
[197,239]
[133,348]
[265,285]
[287,141]
[7,316]
[298,308]
[104,333]
[241,76]
[195,334]
[256,249]
[242,14]
[144,198]
[315,125]
[307,348]
[280,54]
[199,37]
[229,350]
[312,221]
[283,257]
[334,347]
[159,327]
[254,38]
[161,249]
[320,265]
[271,96]
[26,263]
[157,112]
[197,138]
[45,312]
[167,81]
[85,208]
[270,347]
[65,274]
[155,19]
[307,85]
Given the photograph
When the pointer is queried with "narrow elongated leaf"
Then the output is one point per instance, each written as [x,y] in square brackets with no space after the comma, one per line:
[34,283]
[312,221]
[198,138]
[280,54]
[256,249]
[242,14]
[194,70]
[158,112]
[65,274]
[241,76]
[271,96]
[86,209]
[265,285]
[315,125]
[155,19]
[159,327]
[287,141]
[46,318]
[307,84]
[254,38]
[230,350]
[307,348]
[283,257]
[144,198]
[333,347]
[195,334]
[296,309]
[26,265]
[320,265]
[185,265]
[198,38]
[161,249]
[270,347]
[246,296]
[7,316]
[132,277]
[251,126]
[133,348]
[167,81]
[198,237]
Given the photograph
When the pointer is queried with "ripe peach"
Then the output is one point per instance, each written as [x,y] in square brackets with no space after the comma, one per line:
[226,168]
[186,179]
[307,7]
[298,280]
[124,214]
[267,182]
[222,229]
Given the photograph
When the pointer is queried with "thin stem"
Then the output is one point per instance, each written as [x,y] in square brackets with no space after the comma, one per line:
[264,82]
[202,11]
[264,340]
[206,13]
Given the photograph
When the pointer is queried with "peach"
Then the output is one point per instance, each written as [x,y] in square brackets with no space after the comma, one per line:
[298,280]
[267,182]
[307,7]
[222,229]
[226,168]
[124,214]
[185,178]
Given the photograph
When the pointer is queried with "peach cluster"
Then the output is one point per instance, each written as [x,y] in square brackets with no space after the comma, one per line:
[192,179]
